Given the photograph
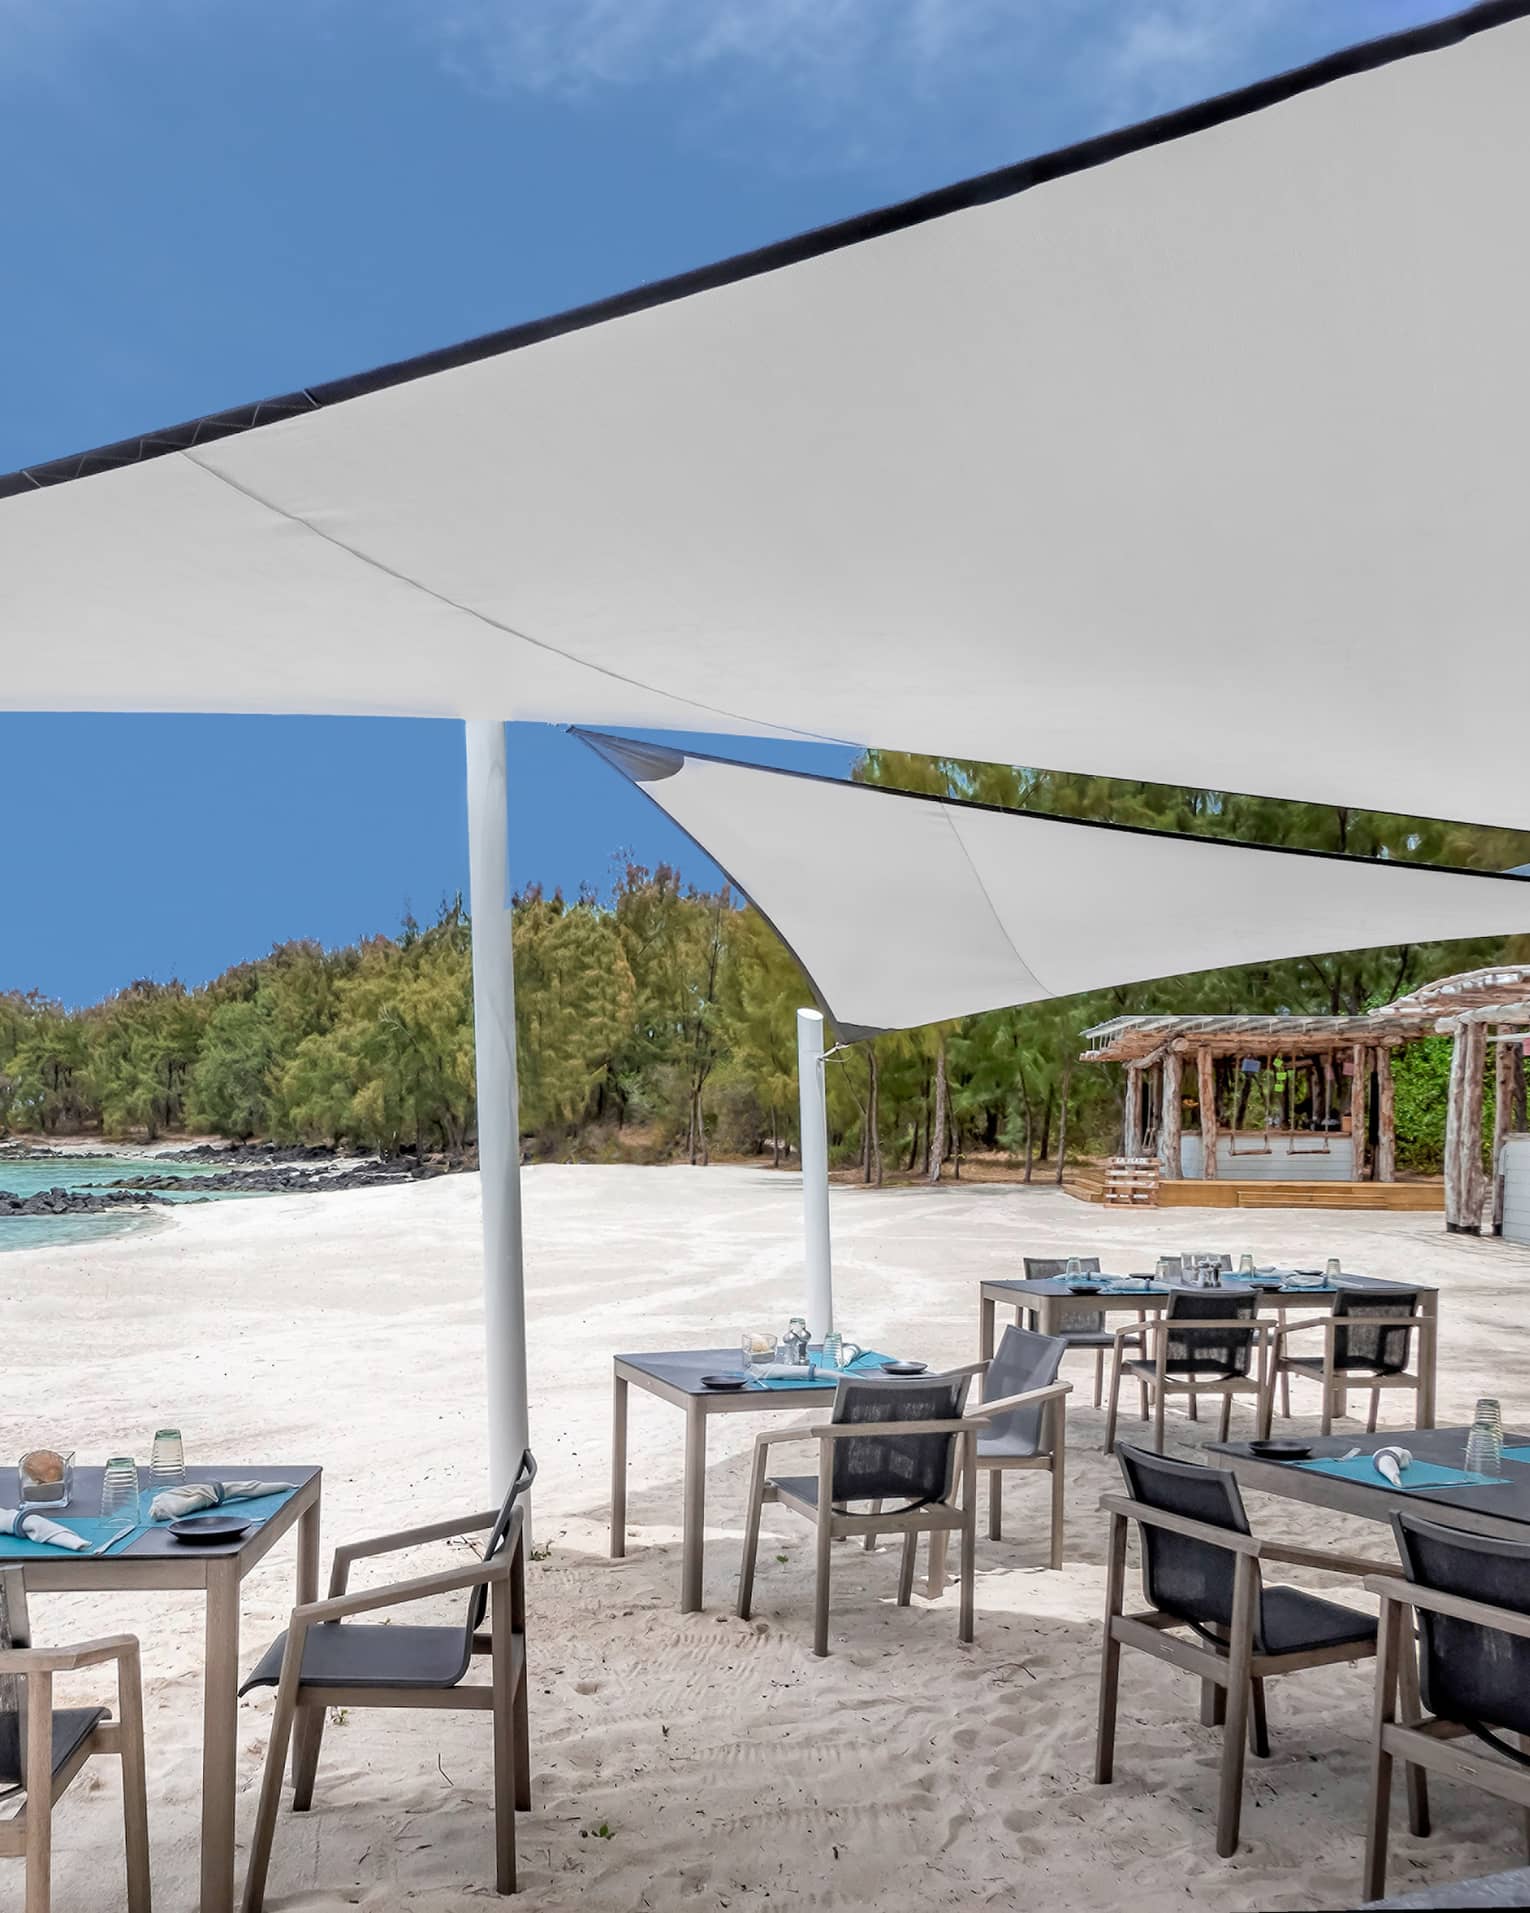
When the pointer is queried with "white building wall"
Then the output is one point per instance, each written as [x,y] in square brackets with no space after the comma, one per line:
[1307,1164]
[1516,1188]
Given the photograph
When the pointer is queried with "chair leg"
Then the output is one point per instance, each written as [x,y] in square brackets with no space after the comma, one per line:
[501,1633]
[1059,1473]
[523,1692]
[964,1625]
[306,1737]
[271,1781]
[1411,1705]
[1226,1423]
[1110,1654]
[1370,1420]
[1230,1799]
[1379,1810]
[1213,1704]
[1142,1400]
[871,1536]
[135,1803]
[825,1535]
[1285,1393]
[1113,1408]
[1159,1404]
[1326,1425]
[1195,1408]
[995,1504]
[1099,1376]
[906,1567]
[935,1583]
[1258,1723]
[751,1534]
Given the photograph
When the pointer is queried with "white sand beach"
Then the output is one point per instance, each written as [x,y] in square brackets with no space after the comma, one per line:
[701,1761]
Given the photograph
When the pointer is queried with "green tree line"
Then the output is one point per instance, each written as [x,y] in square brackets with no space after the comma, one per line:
[658,1020]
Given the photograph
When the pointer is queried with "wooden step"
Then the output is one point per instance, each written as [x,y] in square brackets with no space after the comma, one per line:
[1226,1193]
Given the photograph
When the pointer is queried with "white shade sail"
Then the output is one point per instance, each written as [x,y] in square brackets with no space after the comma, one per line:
[908,909]
[1151,440]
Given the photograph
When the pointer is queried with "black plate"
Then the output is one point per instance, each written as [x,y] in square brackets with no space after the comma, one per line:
[904,1368]
[206,1530]
[731,1378]
[1280,1450]
[1083,1288]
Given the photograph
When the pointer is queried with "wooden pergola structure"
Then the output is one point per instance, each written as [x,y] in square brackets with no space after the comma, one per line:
[1309,1086]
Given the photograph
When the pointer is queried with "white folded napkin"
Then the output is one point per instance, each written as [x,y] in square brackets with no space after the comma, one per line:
[32,1526]
[1390,1463]
[195,1496]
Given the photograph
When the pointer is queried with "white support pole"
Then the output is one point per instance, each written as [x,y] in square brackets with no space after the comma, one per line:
[815,1174]
[499,1128]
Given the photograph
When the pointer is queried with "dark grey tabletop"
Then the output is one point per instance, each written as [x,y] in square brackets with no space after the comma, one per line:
[1447,1446]
[683,1368]
[1150,1285]
[86,1501]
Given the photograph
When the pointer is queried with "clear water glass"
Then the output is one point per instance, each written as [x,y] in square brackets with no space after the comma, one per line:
[1331,1267]
[833,1346]
[167,1461]
[1484,1445]
[1162,1271]
[1073,1267]
[119,1491]
[1245,1263]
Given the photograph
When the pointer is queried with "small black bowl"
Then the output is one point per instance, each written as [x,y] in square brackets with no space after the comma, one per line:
[1084,1288]
[904,1368]
[1280,1450]
[730,1378]
[207,1530]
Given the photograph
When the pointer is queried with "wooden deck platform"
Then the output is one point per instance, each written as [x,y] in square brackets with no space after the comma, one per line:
[1226,1192]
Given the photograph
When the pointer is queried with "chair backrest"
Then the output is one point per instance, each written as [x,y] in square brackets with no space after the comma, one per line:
[478,1598]
[1183,1576]
[911,1468]
[1045,1268]
[1470,1672]
[1223,1352]
[1023,1361]
[1385,1348]
[13,1633]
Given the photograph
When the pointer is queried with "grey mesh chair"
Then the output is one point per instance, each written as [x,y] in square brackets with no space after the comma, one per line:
[1468,1717]
[1206,1342]
[43,1747]
[1367,1341]
[1025,1409]
[904,1446]
[1081,1327]
[1201,1572]
[324,1659]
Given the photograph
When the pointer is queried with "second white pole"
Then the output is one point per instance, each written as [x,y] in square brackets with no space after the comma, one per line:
[817,1258]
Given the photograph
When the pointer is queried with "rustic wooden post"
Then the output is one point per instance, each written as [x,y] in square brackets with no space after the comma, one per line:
[1206,1083]
[1360,1112]
[1463,1131]
[1131,1126]
[1386,1116]
[1504,1058]
[1168,1116]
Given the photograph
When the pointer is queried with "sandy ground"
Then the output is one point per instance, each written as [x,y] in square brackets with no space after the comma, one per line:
[699,1761]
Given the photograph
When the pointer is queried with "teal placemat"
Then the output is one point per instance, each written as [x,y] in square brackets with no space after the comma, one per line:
[867,1363]
[105,1537]
[1419,1474]
[1517,1453]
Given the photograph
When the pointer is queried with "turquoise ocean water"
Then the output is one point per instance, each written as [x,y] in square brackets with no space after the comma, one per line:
[25,1178]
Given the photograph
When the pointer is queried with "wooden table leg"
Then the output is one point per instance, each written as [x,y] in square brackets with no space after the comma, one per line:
[220,1707]
[618,1468]
[1429,1305]
[985,1329]
[309,1730]
[693,1534]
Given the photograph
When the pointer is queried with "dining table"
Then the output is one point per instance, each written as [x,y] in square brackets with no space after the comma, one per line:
[1280,1289]
[143,1557]
[675,1376]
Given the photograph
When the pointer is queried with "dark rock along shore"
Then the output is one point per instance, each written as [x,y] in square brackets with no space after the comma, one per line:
[271,1169]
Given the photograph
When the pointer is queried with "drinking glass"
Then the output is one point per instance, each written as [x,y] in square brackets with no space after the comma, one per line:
[167,1461]
[1072,1269]
[833,1344]
[1331,1267]
[1245,1264]
[1163,1268]
[119,1491]
[1484,1445]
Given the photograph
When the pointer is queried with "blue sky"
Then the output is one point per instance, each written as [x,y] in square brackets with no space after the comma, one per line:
[212,200]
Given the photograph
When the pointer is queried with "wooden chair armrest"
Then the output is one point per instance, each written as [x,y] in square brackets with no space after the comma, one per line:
[64,1660]
[1003,1403]
[1133,1331]
[400,1593]
[1227,1538]
[350,1551]
[1333,1563]
[799,1431]
[1505,1620]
